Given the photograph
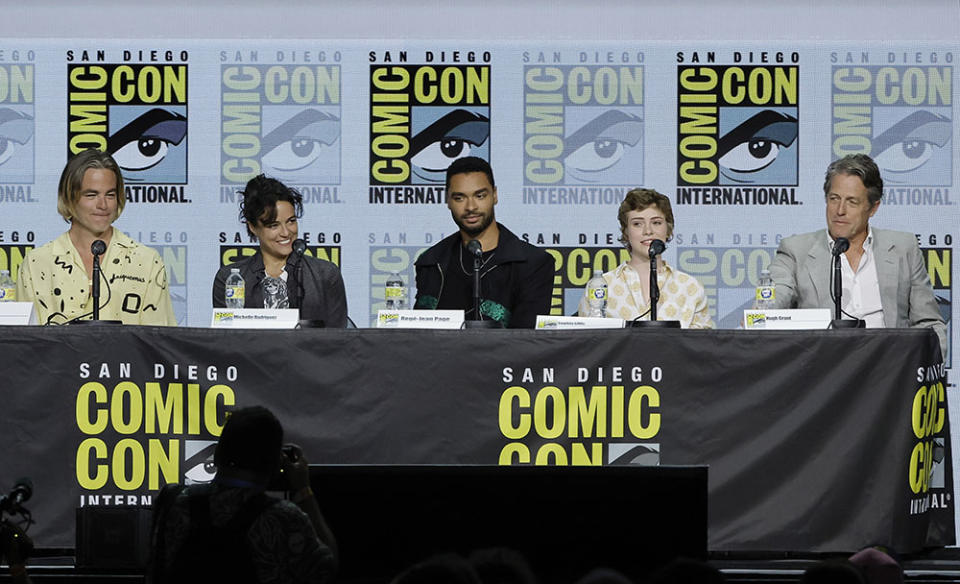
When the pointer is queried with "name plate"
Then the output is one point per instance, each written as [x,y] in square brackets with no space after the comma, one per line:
[255,318]
[790,319]
[17,313]
[547,322]
[420,319]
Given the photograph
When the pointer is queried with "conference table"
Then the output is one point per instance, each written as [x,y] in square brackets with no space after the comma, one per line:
[816,441]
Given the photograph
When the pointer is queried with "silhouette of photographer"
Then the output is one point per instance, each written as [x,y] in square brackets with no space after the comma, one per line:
[230,530]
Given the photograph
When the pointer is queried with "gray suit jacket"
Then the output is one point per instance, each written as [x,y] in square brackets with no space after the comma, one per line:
[801,272]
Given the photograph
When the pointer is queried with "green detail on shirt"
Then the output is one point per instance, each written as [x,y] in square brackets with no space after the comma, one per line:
[427,302]
[495,311]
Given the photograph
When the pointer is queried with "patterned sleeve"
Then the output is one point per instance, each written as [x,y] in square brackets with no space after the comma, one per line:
[25,289]
[158,308]
[285,548]
[701,309]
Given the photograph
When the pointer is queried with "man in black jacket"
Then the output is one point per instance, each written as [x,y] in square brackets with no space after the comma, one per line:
[516,278]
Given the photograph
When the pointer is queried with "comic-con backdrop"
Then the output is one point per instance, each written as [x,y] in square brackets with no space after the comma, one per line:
[737,135]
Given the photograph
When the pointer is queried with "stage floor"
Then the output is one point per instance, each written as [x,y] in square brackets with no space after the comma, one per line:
[935,566]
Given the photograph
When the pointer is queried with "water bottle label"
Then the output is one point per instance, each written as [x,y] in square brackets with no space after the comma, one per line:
[598,293]
[8,294]
[766,293]
[394,292]
[234,292]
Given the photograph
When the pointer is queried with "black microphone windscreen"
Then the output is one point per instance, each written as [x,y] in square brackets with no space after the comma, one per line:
[841,245]
[656,248]
[22,490]
[474,247]
[98,247]
[299,246]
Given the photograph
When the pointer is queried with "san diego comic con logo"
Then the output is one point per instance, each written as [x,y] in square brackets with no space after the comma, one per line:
[901,115]
[583,132]
[143,425]
[607,416]
[737,129]
[136,111]
[422,118]
[17,126]
[283,120]
[928,419]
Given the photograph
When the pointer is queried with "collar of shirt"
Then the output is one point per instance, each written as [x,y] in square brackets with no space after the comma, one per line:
[861,288]
[119,241]
[867,241]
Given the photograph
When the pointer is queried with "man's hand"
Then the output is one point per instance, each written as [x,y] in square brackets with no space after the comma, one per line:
[295,467]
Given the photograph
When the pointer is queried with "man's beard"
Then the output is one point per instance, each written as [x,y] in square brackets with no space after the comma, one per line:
[478,228]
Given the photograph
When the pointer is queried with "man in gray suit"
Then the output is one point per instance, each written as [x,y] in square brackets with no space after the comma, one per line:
[885,281]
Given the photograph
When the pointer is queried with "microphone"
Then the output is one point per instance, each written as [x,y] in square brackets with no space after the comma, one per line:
[474,247]
[840,245]
[97,248]
[657,247]
[299,247]
[20,494]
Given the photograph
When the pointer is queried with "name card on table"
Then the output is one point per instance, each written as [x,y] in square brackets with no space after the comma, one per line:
[17,313]
[548,322]
[420,319]
[255,318]
[790,319]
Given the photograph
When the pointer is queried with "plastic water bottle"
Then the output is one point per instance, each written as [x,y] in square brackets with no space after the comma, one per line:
[235,288]
[8,290]
[395,292]
[766,292]
[597,295]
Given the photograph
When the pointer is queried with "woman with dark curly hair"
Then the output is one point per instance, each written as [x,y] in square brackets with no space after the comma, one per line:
[271,211]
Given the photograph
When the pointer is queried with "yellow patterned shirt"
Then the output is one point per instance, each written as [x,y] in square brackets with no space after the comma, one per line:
[681,297]
[134,288]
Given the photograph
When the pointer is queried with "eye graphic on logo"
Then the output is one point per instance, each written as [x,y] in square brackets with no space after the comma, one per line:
[300,141]
[453,136]
[601,143]
[143,143]
[911,142]
[16,129]
[199,466]
[755,144]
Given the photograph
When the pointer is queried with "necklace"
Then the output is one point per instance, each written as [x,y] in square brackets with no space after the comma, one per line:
[483,265]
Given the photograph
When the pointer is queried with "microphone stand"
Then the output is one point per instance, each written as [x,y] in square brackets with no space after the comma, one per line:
[657,247]
[299,248]
[477,252]
[840,246]
[476,286]
[97,248]
[96,287]
[654,289]
[300,292]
